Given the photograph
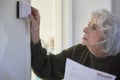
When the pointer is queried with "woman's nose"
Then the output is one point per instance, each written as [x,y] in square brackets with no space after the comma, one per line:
[85,30]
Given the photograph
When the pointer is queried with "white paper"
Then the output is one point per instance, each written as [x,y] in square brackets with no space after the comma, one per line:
[76,71]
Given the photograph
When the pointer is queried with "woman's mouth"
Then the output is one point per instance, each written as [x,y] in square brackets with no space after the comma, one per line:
[84,38]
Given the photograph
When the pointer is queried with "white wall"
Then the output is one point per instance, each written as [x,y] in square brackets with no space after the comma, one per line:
[81,13]
[15,54]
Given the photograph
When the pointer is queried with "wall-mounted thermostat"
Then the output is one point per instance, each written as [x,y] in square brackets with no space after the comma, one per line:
[23,9]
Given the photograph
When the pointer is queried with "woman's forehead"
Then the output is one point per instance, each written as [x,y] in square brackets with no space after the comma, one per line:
[94,20]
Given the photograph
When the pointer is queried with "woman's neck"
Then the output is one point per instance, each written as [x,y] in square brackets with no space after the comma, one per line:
[98,52]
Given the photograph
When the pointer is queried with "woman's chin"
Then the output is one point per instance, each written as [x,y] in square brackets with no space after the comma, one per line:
[84,42]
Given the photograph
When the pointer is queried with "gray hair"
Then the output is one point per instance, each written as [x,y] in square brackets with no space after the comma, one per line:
[110,26]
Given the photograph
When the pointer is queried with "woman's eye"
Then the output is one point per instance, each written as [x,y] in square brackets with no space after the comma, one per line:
[93,27]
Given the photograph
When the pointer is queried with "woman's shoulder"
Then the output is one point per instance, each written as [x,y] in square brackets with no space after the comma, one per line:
[79,50]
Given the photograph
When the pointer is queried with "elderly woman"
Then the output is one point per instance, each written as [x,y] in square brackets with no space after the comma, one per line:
[100,48]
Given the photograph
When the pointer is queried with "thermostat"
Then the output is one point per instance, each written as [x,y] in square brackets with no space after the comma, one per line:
[23,9]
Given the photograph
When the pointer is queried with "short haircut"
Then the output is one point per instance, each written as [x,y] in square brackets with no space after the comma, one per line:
[110,26]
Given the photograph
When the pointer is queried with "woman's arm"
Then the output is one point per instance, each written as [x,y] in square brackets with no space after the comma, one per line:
[34,25]
[45,66]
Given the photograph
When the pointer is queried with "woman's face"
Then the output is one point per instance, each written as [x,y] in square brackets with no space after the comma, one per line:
[93,34]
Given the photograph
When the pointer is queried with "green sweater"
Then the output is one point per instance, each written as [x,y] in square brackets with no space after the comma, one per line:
[52,67]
